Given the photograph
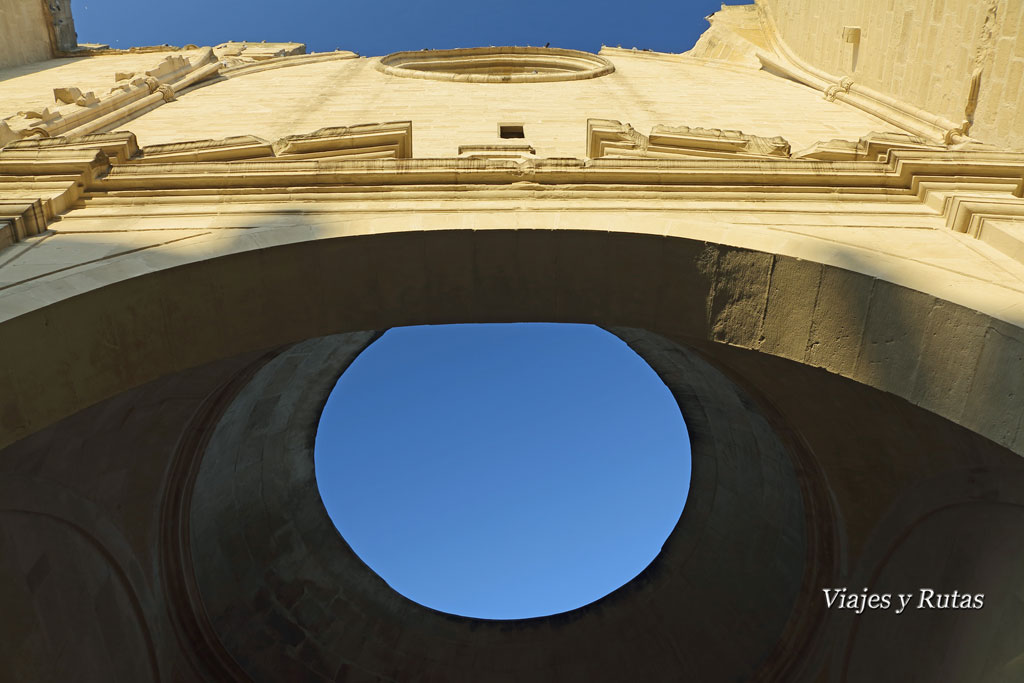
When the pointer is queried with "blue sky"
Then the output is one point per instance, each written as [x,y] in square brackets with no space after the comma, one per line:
[375,28]
[503,471]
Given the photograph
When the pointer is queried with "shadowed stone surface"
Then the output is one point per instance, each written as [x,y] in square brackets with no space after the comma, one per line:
[826,259]
[272,568]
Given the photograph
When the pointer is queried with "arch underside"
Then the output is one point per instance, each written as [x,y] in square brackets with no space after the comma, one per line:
[166,301]
[158,358]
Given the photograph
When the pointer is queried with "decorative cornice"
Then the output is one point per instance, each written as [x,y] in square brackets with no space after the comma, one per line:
[118,147]
[901,170]
[86,164]
[391,140]
[38,184]
[41,178]
[968,185]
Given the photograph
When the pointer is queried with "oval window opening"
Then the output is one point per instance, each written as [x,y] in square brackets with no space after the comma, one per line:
[503,471]
[496,64]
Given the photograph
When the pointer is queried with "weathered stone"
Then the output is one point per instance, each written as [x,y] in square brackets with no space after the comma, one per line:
[841,329]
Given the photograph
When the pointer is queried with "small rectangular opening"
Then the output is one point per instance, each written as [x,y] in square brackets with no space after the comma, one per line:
[508,131]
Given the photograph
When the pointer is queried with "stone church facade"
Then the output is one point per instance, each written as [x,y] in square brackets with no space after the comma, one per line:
[811,226]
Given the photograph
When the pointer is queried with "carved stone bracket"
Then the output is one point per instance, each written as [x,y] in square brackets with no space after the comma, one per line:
[167,92]
[843,86]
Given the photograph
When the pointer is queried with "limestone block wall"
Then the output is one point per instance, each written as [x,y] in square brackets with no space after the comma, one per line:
[645,90]
[24,36]
[921,51]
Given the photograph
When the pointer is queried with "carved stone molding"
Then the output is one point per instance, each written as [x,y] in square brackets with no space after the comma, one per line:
[20,219]
[118,146]
[871,147]
[81,113]
[226,149]
[392,140]
[166,91]
[607,138]
[496,151]
[496,65]
[40,179]
[233,54]
[833,90]
[987,186]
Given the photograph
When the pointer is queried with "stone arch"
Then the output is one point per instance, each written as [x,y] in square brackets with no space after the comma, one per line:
[184,339]
[140,320]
